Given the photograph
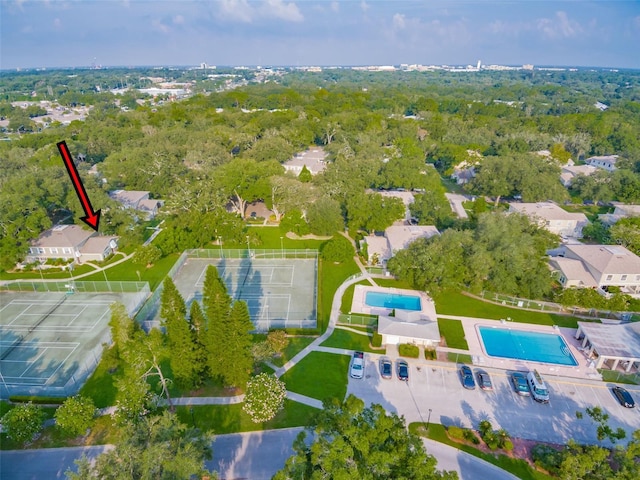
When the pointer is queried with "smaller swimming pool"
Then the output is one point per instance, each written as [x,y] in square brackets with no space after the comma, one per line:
[532,346]
[393,300]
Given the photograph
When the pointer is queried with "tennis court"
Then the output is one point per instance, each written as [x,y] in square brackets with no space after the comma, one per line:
[50,342]
[280,292]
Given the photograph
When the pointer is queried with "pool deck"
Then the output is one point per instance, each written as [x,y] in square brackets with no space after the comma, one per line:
[584,369]
[359,305]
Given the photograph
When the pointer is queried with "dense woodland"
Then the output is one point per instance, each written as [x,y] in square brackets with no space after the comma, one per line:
[210,155]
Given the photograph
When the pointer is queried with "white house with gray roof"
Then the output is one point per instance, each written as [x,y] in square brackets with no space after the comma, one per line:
[605,162]
[313,159]
[71,242]
[137,200]
[550,216]
[621,211]
[598,266]
[381,248]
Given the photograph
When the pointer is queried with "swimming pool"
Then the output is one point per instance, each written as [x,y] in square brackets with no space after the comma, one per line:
[393,300]
[532,346]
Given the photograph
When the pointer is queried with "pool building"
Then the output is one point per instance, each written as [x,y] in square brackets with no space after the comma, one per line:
[404,316]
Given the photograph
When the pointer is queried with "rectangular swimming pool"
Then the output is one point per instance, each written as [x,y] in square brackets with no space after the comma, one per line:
[532,346]
[393,300]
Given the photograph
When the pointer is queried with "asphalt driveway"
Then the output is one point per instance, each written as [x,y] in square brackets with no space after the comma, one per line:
[437,387]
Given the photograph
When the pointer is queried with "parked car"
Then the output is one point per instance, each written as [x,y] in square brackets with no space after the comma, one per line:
[467,378]
[403,370]
[538,388]
[386,369]
[484,381]
[520,384]
[357,365]
[623,396]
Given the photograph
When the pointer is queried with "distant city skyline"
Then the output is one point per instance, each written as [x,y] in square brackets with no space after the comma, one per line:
[67,33]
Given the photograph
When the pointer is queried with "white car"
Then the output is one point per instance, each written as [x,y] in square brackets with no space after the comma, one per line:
[357,365]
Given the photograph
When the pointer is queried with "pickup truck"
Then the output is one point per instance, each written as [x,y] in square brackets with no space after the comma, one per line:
[357,365]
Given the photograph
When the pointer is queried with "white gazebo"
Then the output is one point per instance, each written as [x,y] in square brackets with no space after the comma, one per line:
[611,343]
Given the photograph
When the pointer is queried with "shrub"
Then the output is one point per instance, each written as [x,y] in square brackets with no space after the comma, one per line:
[147,255]
[546,457]
[507,445]
[430,353]
[264,398]
[22,423]
[408,350]
[470,436]
[75,415]
[376,341]
[277,340]
[485,427]
[455,433]
[338,249]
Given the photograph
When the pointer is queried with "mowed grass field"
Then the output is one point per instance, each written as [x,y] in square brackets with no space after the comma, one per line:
[319,375]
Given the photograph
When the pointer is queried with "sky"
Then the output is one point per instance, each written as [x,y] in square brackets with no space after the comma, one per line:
[76,33]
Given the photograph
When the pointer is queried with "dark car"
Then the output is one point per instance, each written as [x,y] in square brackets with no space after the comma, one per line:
[623,396]
[520,384]
[403,370]
[467,378]
[484,381]
[386,369]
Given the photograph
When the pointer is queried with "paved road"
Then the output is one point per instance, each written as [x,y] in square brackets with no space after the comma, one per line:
[467,466]
[251,455]
[43,464]
[437,388]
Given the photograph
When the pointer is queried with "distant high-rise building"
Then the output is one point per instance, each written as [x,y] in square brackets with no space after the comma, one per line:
[527,66]
[479,64]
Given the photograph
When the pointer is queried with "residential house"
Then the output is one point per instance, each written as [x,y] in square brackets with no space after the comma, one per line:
[313,159]
[550,216]
[406,197]
[605,162]
[598,266]
[569,172]
[381,248]
[621,211]
[409,327]
[71,242]
[137,200]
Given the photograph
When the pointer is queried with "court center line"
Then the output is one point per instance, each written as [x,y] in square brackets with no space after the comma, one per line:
[60,366]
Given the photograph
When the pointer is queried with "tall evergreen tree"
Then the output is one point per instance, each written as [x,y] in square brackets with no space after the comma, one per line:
[217,304]
[183,355]
[238,360]
[198,326]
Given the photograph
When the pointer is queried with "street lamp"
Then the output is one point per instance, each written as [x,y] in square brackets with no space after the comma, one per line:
[220,243]
[248,247]
[281,247]
[428,419]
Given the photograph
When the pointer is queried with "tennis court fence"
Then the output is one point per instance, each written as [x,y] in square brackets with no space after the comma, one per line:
[252,253]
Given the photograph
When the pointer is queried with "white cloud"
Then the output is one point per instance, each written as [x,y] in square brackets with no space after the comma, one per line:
[178,20]
[284,11]
[57,23]
[335,6]
[364,6]
[399,21]
[559,26]
[238,10]
[636,22]
[161,27]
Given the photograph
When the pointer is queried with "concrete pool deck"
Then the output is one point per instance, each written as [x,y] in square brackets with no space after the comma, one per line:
[584,369]
[359,304]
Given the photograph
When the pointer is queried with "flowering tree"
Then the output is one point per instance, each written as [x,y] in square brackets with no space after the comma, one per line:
[264,398]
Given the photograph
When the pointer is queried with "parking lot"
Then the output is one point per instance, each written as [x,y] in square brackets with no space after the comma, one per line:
[434,393]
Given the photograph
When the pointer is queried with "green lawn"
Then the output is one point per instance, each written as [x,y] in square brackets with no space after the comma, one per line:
[455,303]
[393,283]
[459,358]
[331,276]
[347,296]
[127,271]
[319,375]
[230,418]
[519,468]
[270,238]
[296,344]
[619,377]
[47,275]
[349,340]
[101,385]
[453,333]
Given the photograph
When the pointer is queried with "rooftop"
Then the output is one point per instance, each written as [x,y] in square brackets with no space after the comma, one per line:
[607,258]
[401,236]
[547,211]
[63,236]
[613,340]
[128,197]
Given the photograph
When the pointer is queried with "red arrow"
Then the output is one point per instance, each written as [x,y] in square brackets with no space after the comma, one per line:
[91,218]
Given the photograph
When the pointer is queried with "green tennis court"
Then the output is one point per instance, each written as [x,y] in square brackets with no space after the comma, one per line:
[280,292]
